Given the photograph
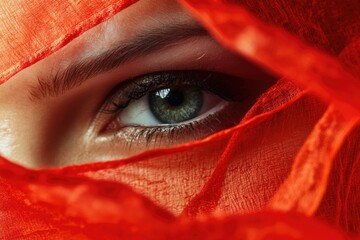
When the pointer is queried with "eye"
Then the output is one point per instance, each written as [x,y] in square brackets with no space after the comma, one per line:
[170,106]
[181,105]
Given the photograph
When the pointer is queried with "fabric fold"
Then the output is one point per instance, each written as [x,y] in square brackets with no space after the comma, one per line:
[294,150]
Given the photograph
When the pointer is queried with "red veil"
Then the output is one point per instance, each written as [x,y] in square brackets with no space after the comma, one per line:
[315,44]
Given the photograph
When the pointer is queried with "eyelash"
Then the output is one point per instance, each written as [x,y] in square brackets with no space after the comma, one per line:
[155,134]
[136,88]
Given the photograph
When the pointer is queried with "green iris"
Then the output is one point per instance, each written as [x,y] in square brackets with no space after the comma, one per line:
[175,105]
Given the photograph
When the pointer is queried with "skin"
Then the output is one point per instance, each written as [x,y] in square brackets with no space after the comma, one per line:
[56,131]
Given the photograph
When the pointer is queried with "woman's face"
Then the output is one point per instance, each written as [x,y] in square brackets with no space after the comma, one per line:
[150,77]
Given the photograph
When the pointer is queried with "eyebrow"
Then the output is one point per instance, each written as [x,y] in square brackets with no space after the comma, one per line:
[145,42]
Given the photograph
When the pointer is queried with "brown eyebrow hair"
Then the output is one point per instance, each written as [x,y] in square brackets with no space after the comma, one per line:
[143,43]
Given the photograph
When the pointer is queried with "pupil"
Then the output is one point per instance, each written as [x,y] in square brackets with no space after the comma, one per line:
[175,98]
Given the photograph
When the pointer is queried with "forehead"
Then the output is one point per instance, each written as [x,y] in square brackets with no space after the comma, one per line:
[124,25]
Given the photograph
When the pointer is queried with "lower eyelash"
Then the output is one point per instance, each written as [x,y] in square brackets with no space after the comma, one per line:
[156,136]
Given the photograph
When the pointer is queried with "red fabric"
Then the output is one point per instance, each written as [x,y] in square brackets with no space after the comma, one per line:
[291,153]
[31,30]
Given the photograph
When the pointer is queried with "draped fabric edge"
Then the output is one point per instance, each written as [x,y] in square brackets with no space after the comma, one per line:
[255,40]
[312,165]
[341,96]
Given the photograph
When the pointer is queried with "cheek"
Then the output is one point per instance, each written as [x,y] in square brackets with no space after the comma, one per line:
[172,180]
[241,178]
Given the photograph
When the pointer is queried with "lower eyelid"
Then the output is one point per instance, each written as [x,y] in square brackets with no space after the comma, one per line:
[227,116]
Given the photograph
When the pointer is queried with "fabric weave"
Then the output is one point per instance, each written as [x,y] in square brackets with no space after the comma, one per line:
[307,140]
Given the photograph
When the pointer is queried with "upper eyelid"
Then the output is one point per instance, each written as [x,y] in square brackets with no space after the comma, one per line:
[132,89]
[144,43]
